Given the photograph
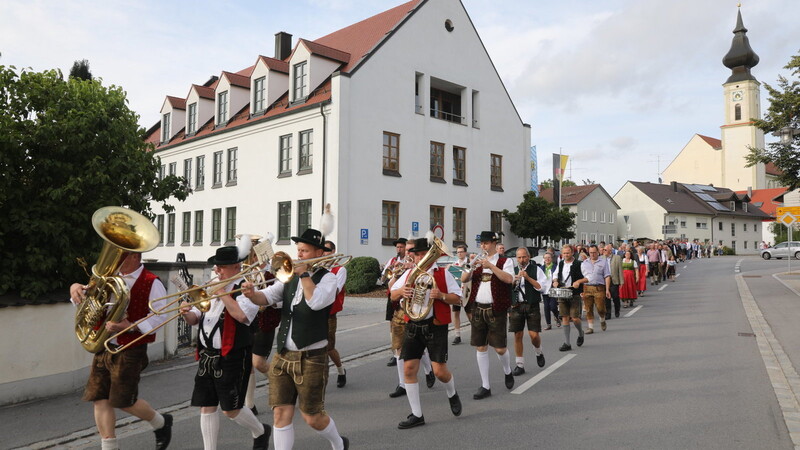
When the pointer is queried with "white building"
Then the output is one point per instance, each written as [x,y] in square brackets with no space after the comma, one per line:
[595,213]
[397,120]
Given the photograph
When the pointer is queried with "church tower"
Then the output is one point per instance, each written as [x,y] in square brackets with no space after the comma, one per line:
[742,100]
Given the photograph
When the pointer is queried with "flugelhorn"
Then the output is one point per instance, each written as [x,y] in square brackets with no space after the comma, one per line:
[422,281]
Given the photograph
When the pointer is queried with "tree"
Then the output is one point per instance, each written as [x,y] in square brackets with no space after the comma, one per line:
[537,217]
[80,69]
[548,184]
[783,113]
[68,147]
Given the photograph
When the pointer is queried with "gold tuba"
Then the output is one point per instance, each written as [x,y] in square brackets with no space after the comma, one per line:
[107,296]
[422,281]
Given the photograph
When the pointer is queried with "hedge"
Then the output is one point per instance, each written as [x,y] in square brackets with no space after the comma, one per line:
[362,274]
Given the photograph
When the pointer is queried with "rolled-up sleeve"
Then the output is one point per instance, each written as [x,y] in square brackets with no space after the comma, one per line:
[324,293]
[156,291]
[274,294]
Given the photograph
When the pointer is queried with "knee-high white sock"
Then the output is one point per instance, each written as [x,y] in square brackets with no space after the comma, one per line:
[450,387]
[109,444]
[332,435]
[505,360]
[248,420]
[209,428]
[283,437]
[249,399]
[426,362]
[520,361]
[412,392]
[483,367]
[400,375]
[157,421]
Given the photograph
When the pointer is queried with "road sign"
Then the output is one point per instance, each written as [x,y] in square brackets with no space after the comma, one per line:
[415,229]
[365,236]
[793,210]
[787,219]
[438,231]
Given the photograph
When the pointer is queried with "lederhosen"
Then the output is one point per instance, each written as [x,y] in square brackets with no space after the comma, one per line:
[526,312]
[430,333]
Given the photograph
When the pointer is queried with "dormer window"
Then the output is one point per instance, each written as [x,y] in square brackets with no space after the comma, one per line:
[733,206]
[222,107]
[165,128]
[192,124]
[259,95]
[300,81]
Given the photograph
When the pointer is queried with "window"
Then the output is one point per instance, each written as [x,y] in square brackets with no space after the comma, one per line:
[284,222]
[611,238]
[497,173]
[445,105]
[222,108]
[744,207]
[391,153]
[737,113]
[611,217]
[303,215]
[230,225]
[584,238]
[602,237]
[187,228]
[198,227]
[306,151]
[160,228]
[437,216]
[232,164]
[217,169]
[285,155]
[259,88]
[201,172]
[417,99]
[745,244]
[744,228]
[755,227]
[594,216]
[496,221]
[683,222]
[216,226]
[459,166]
[173,168]
[437,161]
[720,225]
[593,238]
[733,245]
[300,81]
[476,112]
[165,128]
[701,225]
[733,206]
[584,215]
[171,229]
[187,171]
[459,226]
[390,215]
[191,127]
[733,229]
[161,172]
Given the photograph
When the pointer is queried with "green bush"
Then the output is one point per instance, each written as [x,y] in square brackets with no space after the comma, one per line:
[362,274]
[728,251]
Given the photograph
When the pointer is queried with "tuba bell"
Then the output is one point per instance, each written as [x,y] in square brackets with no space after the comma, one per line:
[422,281]
[107,295]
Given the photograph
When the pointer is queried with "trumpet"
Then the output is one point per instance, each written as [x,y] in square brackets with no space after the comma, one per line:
[397,268]
[470,265]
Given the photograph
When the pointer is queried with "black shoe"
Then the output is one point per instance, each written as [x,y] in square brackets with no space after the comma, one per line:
[482,393]
[164,434]
[411,422]
[518,371]
[392,362]
[565,347]
[398,392]
[540,360]
[616,314]
[254,410]
[455,405]
[262,442]
[345,442]
[341,380]
[457,340]
[580,341]
[509,381]
[608,315]
[430,379]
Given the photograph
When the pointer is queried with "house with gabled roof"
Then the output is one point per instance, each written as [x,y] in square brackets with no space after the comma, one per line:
[400,122]
[595,212]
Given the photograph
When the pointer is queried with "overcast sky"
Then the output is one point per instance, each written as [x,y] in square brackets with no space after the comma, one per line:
[616,84]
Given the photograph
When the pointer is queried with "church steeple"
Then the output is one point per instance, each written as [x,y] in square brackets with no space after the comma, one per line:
[740,58]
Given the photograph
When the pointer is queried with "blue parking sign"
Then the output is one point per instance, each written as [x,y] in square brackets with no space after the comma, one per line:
[414,226]
[365,233]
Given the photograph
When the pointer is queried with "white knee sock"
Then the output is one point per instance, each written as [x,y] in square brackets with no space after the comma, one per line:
[157,421]
[505,360]
[450,387]
[412,392]
[400,374]
[483,367]
[109,444]
[209,428]
[538,350]
[520,361]
[283,437]
[332,435]
[249,399]
[426,362]
[248,420]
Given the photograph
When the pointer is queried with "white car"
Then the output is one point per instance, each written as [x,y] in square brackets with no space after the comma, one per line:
[782,250]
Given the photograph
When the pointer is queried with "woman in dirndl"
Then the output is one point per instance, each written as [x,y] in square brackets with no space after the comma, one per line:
[630,273]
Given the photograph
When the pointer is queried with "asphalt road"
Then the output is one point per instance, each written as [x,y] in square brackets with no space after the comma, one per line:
[680,372]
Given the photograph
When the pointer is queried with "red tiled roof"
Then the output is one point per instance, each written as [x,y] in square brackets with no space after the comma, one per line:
[570,195]
[176,103]
[238,79]
[204,92]
[360,38]
[275,64]
[715,143]
[325,51]
[765,198]
[772,169]
[247,71]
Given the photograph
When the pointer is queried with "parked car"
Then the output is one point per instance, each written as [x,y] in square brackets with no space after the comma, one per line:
[782,250]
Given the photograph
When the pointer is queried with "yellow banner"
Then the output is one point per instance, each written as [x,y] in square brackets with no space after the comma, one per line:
[562,168]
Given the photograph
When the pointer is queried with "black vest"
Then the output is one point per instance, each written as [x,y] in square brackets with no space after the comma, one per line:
[575,275]
[532,295]
[308,326]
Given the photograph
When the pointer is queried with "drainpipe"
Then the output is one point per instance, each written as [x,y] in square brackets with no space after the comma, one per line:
[324,150]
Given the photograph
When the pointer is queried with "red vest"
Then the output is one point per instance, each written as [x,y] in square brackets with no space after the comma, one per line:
[501,292]
[338,303]
[138,308]
[441,310]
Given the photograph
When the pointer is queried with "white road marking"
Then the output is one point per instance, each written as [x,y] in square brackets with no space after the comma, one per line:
[347,330]
[677,275]
[529,384]
[633,311]
[684,266]
[662,287]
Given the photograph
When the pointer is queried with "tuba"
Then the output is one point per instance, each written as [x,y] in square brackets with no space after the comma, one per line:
[107,295]
[422,281]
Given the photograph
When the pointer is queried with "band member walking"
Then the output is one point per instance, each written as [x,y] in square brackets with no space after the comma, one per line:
[114,379]
[427,332]
[569,275]
[388,273]
[524,310]
[489,301]
[597,287]
[463,260]
[224,350]
[333,354]
[300,367]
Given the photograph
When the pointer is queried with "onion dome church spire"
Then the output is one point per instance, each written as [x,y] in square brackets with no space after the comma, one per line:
[740,58]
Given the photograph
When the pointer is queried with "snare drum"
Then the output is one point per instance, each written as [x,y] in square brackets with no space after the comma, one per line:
[560,292]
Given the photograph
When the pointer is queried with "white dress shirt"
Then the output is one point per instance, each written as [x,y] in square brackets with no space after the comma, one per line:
[485,289]
[211,317]
[452,288]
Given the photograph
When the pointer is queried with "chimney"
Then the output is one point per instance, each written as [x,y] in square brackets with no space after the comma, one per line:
[283,45]
[750,191]
[674,185]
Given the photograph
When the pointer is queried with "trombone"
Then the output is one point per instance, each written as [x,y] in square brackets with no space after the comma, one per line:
[283,266]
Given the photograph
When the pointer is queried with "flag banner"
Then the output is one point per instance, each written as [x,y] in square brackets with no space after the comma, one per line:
[534,171]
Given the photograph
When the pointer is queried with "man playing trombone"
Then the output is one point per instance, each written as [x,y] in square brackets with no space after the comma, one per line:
[300,367]
[224,345]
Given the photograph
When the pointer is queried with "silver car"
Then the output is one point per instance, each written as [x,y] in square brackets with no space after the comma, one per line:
[782,250]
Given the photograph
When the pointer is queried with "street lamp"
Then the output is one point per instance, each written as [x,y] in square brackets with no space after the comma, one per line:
[786,134]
